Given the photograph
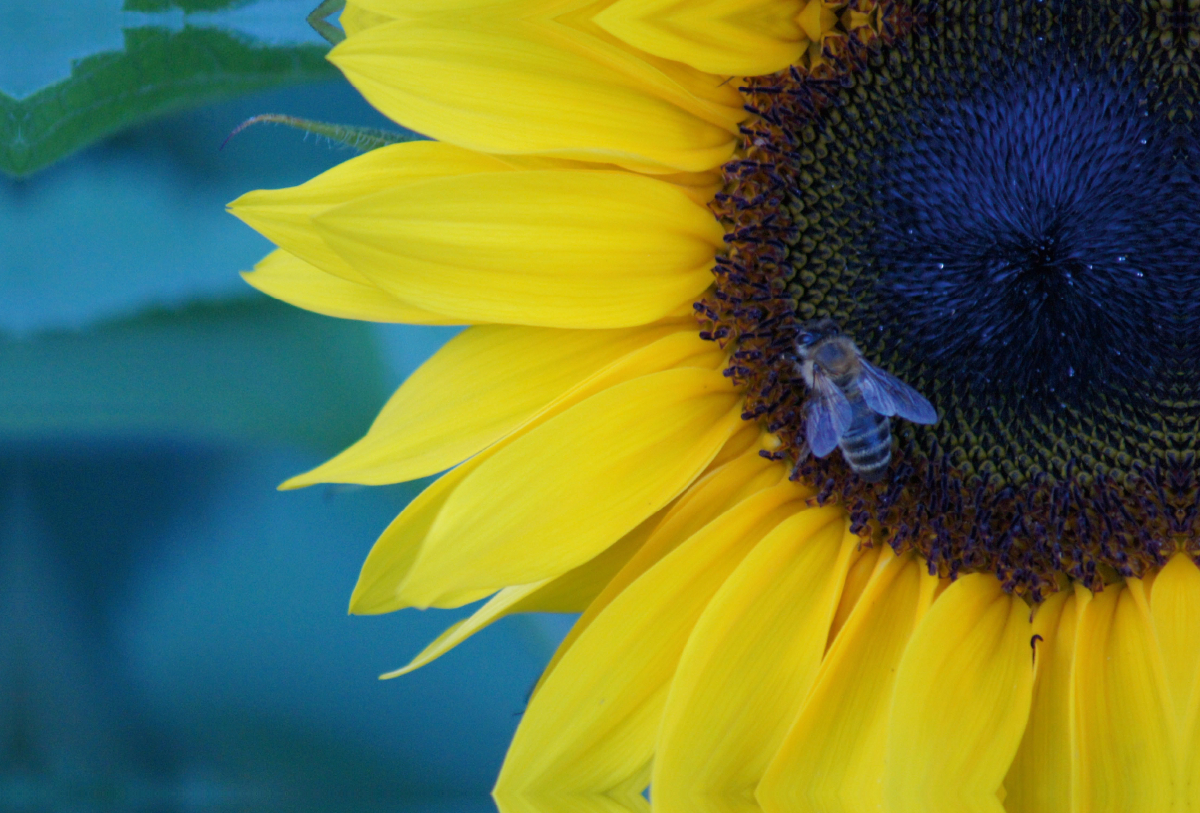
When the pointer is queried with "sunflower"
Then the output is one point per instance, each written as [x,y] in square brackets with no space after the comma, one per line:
[639,208]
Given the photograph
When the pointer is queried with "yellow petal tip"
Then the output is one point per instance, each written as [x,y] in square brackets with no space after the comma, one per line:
[299,481]
[395,673]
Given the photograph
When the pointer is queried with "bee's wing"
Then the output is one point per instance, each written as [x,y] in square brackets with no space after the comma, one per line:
[827,415]
[888,395]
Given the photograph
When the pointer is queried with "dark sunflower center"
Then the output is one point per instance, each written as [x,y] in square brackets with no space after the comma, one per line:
[1028,230]
[999,203]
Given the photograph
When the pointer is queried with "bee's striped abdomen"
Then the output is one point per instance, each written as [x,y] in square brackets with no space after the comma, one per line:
[867,444]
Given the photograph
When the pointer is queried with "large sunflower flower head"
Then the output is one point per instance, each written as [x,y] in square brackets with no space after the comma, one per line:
[694,241]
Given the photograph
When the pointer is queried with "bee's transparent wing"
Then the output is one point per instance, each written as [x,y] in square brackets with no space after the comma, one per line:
[827,415]
[888,395]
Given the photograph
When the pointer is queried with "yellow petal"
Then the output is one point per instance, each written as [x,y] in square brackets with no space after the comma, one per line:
[736,37]
[284,216]
[504,87]
[699,186]
[479,387]
[569,26]
[748,438]
[550,248]
[1039,780]
[709,96]
[961,700]
[741,478]
[1175,606]
[832,757]
[748,666]
[816,18]
[575,590]
[630,802]
[381,585]
[289,278]
[591,727]
[861,568]
[496,608]
[573,803]
[380,581]
[568,593]
[462,629]
[559,495]
[1125,757]
[712,495]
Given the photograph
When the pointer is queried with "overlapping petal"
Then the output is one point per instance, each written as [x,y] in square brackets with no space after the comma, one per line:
[736,473]
[287,277]
[477,389]
[748,666]
[569,593]
[637,445]
[1113,724]
[961,700]
[553,248]
[522,77]
[384,584]
[1041,774]
[832,758]
[727,483]
[1126,759]
[736,37]
[284,216]
[590,730]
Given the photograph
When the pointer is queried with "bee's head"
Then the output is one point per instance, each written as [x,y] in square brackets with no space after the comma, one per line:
[812,332]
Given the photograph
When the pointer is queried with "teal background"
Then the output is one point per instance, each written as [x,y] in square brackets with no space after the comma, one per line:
[173,631]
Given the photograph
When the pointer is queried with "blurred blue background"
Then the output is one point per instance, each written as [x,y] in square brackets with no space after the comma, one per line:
[173,631]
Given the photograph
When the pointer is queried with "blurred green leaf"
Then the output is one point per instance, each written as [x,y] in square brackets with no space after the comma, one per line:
[158,72]
[247,371]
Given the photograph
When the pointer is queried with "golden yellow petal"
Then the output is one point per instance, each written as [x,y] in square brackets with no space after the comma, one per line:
[568,593]
[592,730]
[748,665]
[1175,608]
[289,278]
[284,216]
[556,497]
[709,96]
[817,17]
[464,628]
[549,248]
[832,758]
[570,26]
[505,86]
[1039,780]
[479,387]
[381,584]
[717,491]
[575,590]
[381,579]
[1125,756]
[961,700]
[699,186]
[861,568]
[735,37]
[574,803]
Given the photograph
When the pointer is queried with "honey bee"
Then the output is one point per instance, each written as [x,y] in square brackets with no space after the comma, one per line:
[851,401]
